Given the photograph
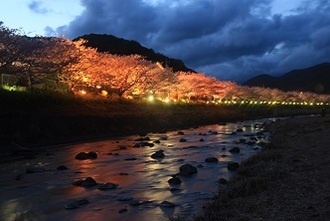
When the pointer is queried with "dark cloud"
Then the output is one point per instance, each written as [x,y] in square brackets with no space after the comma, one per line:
[37,7]
[232,40]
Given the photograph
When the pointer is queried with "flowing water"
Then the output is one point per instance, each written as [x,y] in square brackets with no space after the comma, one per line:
[46,193]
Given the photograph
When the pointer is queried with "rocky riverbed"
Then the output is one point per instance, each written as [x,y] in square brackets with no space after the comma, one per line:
[150,176]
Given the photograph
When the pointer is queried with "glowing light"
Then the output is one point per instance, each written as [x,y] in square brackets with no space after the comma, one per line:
[83,92]
[85,79]
[151,98]
[98,87]
[104,93]
[167,100]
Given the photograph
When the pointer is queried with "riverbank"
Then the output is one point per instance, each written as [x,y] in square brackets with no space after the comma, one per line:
[39,120]
[288,180]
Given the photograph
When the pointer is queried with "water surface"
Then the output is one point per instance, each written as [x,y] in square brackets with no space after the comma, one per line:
[45,194]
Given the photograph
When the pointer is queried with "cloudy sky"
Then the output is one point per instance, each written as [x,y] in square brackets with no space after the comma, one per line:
[229,39]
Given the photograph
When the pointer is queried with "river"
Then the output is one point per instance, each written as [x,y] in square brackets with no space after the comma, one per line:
[34,189]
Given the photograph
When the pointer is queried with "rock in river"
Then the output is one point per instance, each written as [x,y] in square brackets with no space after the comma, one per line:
[167,204]
[188,169]
[86,156]
[174,180]
[158,154]
[107,186]
[88,182]
[211,160]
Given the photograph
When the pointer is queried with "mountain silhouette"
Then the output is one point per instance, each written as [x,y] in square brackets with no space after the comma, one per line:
[120,46]
[314,79]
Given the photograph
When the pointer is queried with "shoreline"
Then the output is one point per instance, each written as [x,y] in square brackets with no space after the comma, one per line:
[140,125]
[288,180]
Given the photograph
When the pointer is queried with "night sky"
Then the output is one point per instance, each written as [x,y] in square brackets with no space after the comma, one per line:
[229,39]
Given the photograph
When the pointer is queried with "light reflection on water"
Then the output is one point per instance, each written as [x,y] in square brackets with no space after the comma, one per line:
[43,196]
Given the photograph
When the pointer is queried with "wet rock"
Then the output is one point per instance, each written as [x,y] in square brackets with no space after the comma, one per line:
[124,210]
[143,139]
[211,160]
[107,186]
[180,160]
[130,158]
[213,132]
[256,148]
[163,137]
[157,141]
[223,155]
[180,133]
[235,150]
[224,148]
[232,166]
[222,181]
[158,154]
[239,130]
[62,167]
[188,169]
[143,144]
[174,180]
[88,182]
[201,140]
[200,165]
[183,140]
[35,170]
[86,156]
[167,204]
[76,204]
[123,174]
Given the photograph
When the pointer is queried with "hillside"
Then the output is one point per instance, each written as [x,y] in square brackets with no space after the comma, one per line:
[120,46]
[313,79]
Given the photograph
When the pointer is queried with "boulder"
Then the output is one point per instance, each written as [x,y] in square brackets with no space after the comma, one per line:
[158,154]
[62,167]
[239,130]
[143,139]
[211,160]
[183,140]
[174,180]
[188,169]
[180,133]
[86,156]
[88,182]
[167,204]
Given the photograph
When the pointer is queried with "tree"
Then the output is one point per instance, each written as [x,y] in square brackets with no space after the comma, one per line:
[12,49]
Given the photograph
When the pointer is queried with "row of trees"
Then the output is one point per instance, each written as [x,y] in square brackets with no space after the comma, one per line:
[83,68]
